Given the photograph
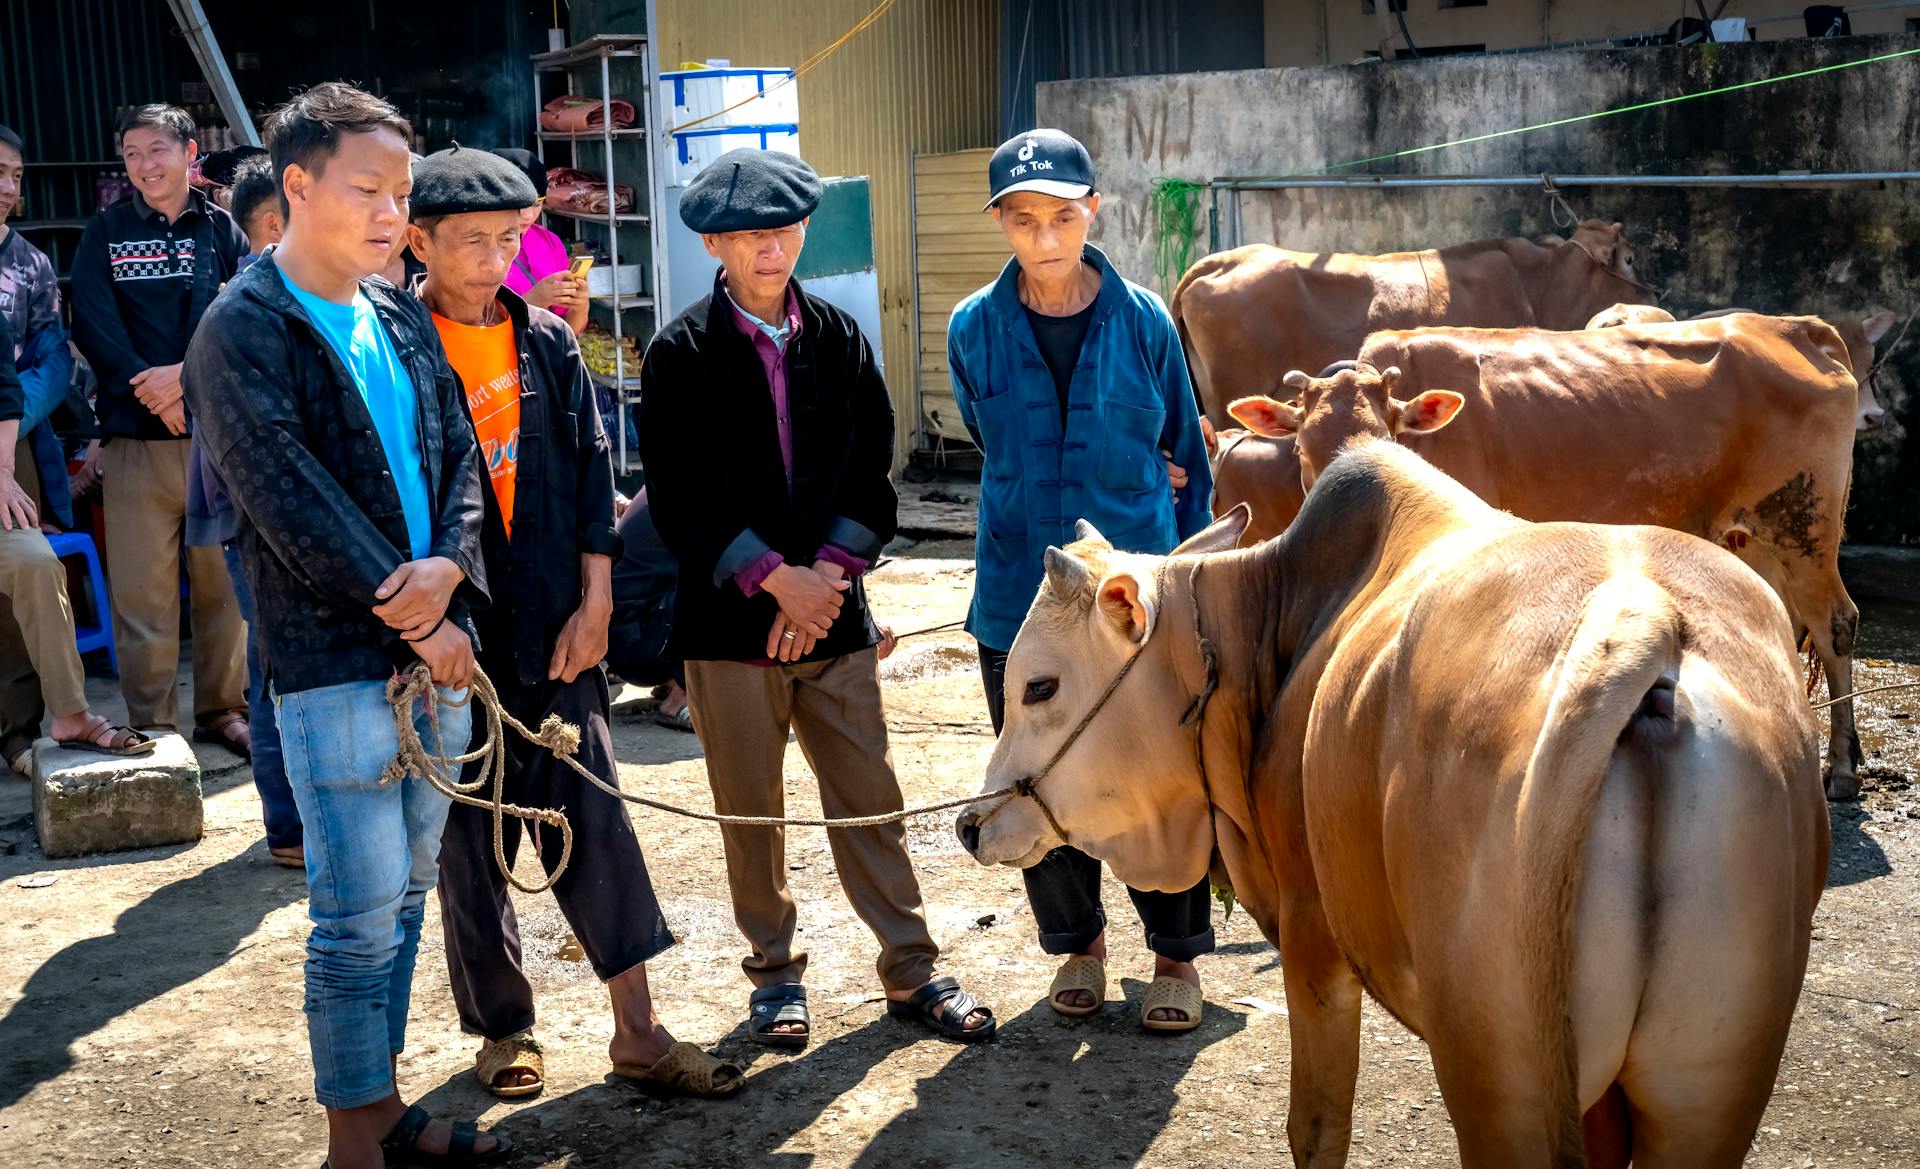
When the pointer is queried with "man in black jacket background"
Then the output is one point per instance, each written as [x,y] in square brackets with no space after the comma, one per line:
[549,546]
[771,616]
[326,404]
[143,276]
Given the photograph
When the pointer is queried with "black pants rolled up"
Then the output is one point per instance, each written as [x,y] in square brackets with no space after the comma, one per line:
[605,894]
[1064,888]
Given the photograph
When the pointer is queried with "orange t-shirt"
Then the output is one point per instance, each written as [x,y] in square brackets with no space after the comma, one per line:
[489,366]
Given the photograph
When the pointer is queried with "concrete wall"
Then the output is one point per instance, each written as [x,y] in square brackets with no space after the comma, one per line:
[1321,32]
[1847,251]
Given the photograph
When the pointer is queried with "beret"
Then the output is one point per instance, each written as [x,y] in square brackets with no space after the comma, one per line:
[529,165]
[459,181]
[750,190]
[222,166]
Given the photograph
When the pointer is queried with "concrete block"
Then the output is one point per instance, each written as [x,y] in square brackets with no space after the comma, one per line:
[84,802]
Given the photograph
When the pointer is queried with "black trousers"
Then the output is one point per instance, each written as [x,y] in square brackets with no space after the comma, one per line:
[637,645]
[605,894]
[1064,888]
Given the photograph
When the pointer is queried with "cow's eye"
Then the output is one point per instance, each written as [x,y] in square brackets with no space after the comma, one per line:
[1040,690]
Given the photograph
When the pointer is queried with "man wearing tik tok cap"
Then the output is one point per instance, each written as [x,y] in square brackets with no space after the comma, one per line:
[1072,382]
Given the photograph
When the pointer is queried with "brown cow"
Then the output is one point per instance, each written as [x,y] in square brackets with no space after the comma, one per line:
[1738,429]
[1547,791]
[1860,336]
[1249,315]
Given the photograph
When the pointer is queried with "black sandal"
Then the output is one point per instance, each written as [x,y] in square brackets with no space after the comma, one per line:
[951,1020]
[770,1006]
[460,1151]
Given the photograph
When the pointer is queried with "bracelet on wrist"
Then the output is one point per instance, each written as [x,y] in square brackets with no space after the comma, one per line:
[429,633]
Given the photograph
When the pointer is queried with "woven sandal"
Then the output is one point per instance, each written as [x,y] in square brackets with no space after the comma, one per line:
[515,1053]
[685,1071]
[1172,994]
[1080,972]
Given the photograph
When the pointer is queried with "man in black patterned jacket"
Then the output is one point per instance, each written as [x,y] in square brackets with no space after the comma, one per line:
[327,405]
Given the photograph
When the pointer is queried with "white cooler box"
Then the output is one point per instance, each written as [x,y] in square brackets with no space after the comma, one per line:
[694,149]
[687,95]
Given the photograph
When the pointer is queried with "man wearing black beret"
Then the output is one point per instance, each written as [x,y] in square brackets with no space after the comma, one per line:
[548,541]
[771,617]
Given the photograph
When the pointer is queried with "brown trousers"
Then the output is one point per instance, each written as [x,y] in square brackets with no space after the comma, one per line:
[39,668]
[145,496]
[742,714]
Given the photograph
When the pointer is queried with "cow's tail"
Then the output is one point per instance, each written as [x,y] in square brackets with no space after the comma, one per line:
[1612,686]
[1196,371]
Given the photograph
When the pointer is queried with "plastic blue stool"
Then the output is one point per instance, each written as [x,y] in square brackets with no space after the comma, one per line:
[90,637]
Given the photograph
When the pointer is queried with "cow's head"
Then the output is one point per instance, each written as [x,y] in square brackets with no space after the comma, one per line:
[1128,790]
[1328,413]
[1614,316]
[1607,244]
[1860,339]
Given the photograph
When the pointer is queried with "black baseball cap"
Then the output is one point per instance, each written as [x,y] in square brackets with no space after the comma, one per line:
[1051,162]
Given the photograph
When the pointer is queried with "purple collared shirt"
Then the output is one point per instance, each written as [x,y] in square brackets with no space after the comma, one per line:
[771,342]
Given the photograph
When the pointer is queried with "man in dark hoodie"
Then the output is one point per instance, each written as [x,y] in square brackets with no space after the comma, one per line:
[549,546]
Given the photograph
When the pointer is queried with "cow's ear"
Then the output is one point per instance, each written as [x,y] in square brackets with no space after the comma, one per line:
[1263,415]
[1220,535]
[1877,326]
[1428,412]
[1067,577]
[1123,603]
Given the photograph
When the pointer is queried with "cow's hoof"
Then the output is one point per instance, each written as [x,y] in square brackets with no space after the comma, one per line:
[1843,789]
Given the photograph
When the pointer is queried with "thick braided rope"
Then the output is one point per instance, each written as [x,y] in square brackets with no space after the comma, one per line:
[563,740]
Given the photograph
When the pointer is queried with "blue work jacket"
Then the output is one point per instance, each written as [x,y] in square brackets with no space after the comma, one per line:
[1129,400]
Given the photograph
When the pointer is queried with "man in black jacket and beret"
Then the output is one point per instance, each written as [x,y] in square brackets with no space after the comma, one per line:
[549,546]
[771,616]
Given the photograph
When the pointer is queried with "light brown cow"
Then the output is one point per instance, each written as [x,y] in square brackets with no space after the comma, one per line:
[1629,314]
[1259,472]
[1738,429]
[1860,336]
[1549,792]
[1251,314]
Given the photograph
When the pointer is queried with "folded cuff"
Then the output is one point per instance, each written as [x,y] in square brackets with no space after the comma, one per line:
[754,575]
[600,540]
[746,549]
[858,539]
[835,554]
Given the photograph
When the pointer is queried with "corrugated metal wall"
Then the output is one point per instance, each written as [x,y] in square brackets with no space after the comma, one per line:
[1053,40]
[957,250]
[65,69]
[924,79]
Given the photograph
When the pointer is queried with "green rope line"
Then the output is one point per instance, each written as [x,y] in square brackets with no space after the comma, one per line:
[1174,205]
[1637,106]
[1174,202]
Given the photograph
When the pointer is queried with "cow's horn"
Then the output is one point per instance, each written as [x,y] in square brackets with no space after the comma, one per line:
[1082,530]
[1067,577]
[1296,379]
[1390,374]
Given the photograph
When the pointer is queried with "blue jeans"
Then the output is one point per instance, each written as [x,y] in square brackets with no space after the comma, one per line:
[373,852]
[277,808]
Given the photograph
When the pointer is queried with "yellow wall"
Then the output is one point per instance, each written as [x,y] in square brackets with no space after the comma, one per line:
[1318,32]
[924,79]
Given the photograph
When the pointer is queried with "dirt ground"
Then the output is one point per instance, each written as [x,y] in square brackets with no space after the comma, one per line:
[150,1001]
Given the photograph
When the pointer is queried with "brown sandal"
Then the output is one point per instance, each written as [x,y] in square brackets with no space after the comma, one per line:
[220,734]
[685,1071]
[122,741]
[515,1053]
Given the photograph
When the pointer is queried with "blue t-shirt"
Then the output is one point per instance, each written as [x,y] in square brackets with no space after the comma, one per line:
[362,344]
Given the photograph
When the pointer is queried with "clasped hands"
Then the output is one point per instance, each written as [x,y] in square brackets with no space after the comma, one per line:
[810,600]
[414,601]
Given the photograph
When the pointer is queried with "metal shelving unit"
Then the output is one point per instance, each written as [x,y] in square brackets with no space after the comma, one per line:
[597,57]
